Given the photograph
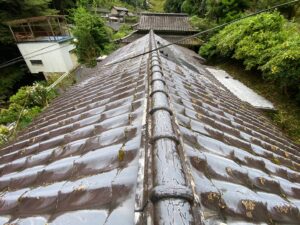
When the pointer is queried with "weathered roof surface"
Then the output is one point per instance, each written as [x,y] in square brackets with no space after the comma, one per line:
[170,38]
[167,22]
[78,163]
[243,167]
[153,140]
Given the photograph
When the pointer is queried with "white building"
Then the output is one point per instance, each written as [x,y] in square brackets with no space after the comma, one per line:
[45,44]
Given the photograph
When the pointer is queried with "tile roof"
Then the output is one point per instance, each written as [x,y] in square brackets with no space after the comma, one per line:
[166,22]
[153,140]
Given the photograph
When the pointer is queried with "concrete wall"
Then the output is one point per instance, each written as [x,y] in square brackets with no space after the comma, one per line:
[55,57]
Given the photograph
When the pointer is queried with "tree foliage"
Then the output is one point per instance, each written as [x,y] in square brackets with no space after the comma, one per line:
[130,4]
[267,42]
[63,6]
[173,6]
[202,24]
[194,7]
[8,79]
[289,11]
[226,10]
[123,31]
[92,36]
[4,132]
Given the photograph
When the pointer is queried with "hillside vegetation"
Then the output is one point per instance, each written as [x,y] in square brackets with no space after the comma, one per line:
[156,5]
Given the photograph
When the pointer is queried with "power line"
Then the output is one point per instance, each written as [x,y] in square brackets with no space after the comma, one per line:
[20,58]
[205,31]
[186,38]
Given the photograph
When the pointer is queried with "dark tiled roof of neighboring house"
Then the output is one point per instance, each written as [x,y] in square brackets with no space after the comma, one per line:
[166,22]
[170,26]
[153,140]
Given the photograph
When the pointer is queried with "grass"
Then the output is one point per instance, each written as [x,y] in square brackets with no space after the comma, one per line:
[157,5]
[287,116]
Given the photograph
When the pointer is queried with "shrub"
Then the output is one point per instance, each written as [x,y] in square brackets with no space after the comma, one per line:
[24,106]
[36,95]
[226,10]
[4,132]
[283,67]
[131,19]
[123,32]
[201,23]
[30,99]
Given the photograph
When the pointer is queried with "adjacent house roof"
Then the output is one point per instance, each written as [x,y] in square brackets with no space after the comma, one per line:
[170,22]
[170,26]
[191,42]
[152,140]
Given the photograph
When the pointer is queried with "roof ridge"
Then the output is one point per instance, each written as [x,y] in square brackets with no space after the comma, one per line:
[169,188]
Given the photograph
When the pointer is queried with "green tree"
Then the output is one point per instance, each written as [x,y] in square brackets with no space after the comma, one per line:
[194,7]
[92,36]
[8,79]
[226,10]
[26,104]
[289,11]
[173,6]
[63,6]
[4,132]
[123,31]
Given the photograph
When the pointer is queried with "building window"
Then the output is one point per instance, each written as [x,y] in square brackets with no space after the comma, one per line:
[36,62]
